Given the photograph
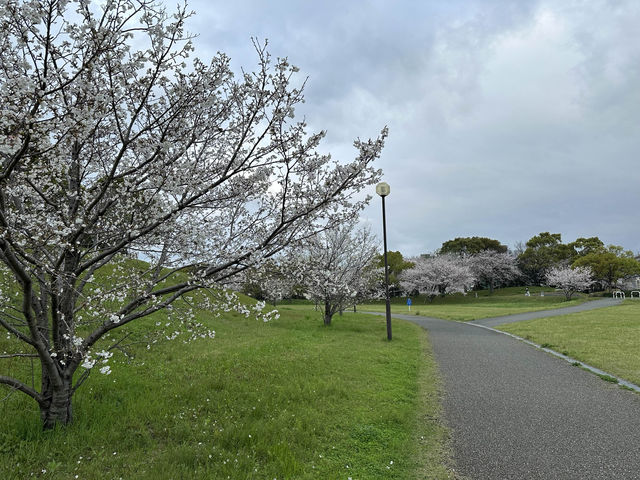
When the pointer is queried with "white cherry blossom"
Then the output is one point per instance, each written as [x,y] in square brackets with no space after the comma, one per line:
[132,175]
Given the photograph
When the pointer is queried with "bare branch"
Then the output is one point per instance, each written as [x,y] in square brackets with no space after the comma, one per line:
[14,355]
[16,384]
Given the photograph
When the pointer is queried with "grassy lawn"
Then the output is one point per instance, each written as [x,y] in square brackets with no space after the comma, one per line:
[286,399]
[460,307]
[607,338]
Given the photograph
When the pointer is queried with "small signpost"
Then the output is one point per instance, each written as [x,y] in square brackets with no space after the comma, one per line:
[409,303]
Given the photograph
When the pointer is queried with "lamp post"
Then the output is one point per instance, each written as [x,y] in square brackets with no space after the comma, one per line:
[383,190]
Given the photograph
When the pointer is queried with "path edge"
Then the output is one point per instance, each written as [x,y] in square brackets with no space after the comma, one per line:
[585,366]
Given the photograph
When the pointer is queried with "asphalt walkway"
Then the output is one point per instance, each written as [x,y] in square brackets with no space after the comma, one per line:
[520,317]
[516,412]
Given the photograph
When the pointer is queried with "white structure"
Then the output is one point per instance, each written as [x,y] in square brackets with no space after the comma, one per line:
[636,296]
[629,283]
[618,294]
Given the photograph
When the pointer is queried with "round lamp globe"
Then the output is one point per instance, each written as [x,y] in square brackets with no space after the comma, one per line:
[383,189]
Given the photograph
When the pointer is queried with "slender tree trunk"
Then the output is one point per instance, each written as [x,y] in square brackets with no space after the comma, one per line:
[327,313]
[56,409]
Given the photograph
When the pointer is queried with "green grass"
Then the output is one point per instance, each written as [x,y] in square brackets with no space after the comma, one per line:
[287,399]
[460,307]
[607,338]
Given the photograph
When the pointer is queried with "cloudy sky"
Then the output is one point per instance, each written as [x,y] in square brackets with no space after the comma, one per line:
[506,118]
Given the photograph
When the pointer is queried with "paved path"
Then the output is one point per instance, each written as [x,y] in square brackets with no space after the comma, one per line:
[519,317]
[516,412]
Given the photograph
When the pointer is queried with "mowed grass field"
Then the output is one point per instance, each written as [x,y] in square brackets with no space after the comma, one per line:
[506,301]
[286,399]
[606,338]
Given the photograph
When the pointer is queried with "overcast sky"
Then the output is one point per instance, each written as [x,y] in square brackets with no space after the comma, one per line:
[506,118]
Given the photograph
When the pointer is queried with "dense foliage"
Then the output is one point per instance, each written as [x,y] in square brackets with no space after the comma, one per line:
[396,264]
[472,246]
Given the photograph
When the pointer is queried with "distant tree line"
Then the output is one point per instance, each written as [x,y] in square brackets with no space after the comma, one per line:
[609,264]
[480,262]
[341,268]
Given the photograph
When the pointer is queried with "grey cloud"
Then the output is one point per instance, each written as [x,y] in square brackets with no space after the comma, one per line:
[500,125]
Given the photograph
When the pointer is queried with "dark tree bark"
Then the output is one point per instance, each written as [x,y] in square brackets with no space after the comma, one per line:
[55,409]
[328,313]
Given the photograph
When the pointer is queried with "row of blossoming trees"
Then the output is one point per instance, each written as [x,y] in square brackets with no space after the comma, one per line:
[442,274]
[445,273]
[132,175]
[335,269]
[469,262]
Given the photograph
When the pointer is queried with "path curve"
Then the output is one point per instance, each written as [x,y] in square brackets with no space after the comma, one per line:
[520,317]
[516,412]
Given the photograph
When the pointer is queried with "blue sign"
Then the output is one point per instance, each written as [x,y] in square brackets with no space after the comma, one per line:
[409,301]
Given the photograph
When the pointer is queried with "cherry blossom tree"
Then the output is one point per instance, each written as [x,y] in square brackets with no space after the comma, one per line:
[493,268]
[570,280]
[132,175]
[273,280]
[438,275]
[337,269]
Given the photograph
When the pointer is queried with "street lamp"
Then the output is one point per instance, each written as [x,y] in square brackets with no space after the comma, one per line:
[383,190]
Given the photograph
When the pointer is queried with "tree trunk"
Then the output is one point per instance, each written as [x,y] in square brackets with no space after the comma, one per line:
[327,313]
[56,408]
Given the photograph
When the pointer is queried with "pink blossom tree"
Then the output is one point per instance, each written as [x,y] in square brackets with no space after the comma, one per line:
[131,175]
[570,280]
[338,269]
[494,268]
[438,275]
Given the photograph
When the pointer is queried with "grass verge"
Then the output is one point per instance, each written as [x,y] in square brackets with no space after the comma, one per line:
[607,338]
[288,399]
